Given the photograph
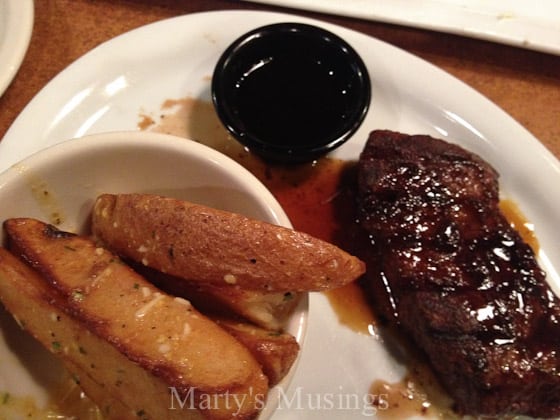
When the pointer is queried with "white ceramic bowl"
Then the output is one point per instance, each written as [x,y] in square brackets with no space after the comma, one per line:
[60,183]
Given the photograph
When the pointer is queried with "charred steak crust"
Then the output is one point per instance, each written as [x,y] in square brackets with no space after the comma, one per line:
[456,277]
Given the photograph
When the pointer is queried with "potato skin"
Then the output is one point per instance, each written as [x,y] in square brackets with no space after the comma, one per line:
[165,335]
[203,244]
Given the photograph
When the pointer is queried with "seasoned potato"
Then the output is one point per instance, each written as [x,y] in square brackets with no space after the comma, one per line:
[216,247]
[275,351]
[163,334]
[237,311]
[121,388]
[270,310]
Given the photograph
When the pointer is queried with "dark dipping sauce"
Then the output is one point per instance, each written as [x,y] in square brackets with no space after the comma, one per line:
[291,92]
[294,104]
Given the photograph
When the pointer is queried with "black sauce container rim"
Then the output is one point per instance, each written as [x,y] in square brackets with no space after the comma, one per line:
[275,152]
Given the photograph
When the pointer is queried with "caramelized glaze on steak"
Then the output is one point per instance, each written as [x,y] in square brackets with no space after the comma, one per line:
[456,277]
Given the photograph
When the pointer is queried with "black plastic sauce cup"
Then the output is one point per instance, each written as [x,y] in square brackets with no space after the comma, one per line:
[291,92]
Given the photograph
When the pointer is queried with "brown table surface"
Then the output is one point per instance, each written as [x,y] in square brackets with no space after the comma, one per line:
[526,84]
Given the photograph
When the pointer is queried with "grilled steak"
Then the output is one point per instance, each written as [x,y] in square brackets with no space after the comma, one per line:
[456,278]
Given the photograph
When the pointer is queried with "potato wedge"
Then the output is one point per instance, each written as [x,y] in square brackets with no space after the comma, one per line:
[110,407]
[202,244]
[275,351]
[267,310]
[270,310]
[163,334]
[121,388]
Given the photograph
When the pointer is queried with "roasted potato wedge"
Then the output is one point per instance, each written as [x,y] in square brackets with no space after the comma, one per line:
[267,310]
[232,308]
[121,388]
[270,310]
[108,404]
[163,334]
[275,351]
[216,247]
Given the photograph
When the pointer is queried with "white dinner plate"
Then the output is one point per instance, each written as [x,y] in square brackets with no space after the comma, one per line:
[522,23]
[107,88]
[16,26]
